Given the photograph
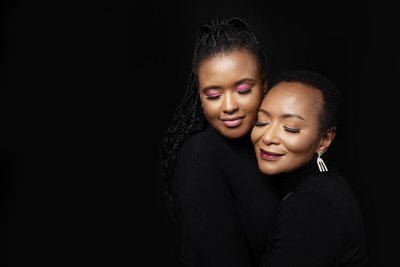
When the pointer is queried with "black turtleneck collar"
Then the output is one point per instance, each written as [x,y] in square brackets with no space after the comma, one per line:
[242,144]
[287,182]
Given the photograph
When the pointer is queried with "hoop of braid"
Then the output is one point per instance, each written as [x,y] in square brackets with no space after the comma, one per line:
[219,35]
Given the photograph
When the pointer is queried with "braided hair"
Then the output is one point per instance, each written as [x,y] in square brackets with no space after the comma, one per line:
[218,36]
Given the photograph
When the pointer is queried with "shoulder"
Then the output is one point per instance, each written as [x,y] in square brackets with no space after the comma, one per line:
[331,186]
[306,203]
[335,187]
[200,153]
[306,216]
[198,167]
[325,193]
[199,144]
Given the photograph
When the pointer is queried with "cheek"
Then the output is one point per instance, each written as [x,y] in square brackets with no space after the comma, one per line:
[211,109]
[300,145]
[250,105]
[255,136]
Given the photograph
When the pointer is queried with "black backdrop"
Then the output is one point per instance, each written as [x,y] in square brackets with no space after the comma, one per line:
[88,88]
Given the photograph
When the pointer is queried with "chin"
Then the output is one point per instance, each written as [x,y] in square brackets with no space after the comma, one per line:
[233,133]
[267,170]
[233,136]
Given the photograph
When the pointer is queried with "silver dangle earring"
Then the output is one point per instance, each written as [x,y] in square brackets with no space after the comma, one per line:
[321,164]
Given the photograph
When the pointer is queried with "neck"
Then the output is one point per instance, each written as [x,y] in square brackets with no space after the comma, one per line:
[287,182]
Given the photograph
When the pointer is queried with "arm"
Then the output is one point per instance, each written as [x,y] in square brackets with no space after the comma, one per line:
[210,222]
[306,234]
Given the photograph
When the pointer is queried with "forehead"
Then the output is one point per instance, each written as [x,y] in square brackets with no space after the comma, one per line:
[240,60]
[294,97]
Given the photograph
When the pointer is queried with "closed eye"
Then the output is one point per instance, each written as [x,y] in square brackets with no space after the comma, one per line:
[291,130]
[242,92]
[213,97]
[244,88]
[261,123]
[212,93]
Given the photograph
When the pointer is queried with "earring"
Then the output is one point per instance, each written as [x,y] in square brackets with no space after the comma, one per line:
[321,164]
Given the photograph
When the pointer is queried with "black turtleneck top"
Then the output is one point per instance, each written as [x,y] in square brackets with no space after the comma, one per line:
[226,206]
[319,223]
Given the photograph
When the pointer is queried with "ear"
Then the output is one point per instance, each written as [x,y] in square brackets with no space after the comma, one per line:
[326,140]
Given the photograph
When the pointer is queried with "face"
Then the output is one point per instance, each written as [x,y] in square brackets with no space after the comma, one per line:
[286,134]
[231,89]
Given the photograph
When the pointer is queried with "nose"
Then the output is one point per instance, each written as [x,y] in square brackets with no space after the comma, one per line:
[230,104]
[271,135]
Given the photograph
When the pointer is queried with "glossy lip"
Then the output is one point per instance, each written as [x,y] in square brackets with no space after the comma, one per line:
[269,155]
[233,122]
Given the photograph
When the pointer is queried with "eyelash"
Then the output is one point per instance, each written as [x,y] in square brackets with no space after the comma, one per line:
[288,129]
[291,130]
[213,97]
[241,92]
[260,123]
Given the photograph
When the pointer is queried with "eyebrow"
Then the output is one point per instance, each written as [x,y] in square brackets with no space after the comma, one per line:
[210,87]
[286,115]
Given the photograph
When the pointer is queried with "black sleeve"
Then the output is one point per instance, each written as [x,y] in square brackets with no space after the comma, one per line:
[306,234]
[211,225]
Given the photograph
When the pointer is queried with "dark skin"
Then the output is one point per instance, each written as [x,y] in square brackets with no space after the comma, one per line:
[287,133]
[231,89]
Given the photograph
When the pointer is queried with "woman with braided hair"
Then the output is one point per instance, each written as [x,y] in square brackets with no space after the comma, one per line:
[224,204]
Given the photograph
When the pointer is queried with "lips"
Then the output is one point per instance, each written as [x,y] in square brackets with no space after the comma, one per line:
[269,155]
[233,122]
